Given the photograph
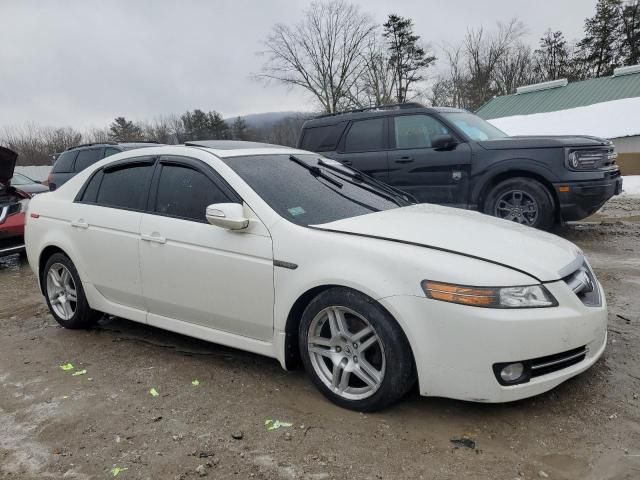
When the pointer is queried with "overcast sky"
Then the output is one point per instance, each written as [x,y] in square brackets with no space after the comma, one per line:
[81,63]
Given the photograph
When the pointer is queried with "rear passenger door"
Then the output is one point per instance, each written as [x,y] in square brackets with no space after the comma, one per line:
[105,228]
[432,176]
[364,146]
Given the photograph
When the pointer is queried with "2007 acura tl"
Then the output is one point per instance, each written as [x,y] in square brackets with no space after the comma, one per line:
[287,254]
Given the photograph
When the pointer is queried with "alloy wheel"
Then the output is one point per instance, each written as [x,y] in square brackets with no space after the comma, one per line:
[346,353]
[61,290]
[517,206]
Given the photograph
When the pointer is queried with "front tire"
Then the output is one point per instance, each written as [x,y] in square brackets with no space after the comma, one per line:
[522,200]
[64,294]
[354,351]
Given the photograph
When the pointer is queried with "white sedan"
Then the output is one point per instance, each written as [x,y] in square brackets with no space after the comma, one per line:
[294,256]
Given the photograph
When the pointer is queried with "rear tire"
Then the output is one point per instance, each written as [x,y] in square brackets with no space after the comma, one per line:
[522,200]
[354,351]
[64,294]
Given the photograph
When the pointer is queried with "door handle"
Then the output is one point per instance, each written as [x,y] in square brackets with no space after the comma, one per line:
[405,160]
[154,237]
[80,223]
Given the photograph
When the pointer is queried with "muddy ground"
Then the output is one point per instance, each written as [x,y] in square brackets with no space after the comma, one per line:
[56,425]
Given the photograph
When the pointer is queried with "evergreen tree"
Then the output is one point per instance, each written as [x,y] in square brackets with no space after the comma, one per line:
[552,57]
[631,32]
[600,49]
[123,130]
[408,59]
[240,129]
[196,125]
[218,127]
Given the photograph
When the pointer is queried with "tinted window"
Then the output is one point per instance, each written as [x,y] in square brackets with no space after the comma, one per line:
[87,157]
[110,151]
[301,197]
[64,163]
[186,193]
[365,136]
[91,190]
[321,139]
[474,127]
[416,131]
[125,187]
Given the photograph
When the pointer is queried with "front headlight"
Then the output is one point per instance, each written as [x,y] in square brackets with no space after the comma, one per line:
[530,296]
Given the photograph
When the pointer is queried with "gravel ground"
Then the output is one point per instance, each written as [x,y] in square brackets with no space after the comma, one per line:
[57,425]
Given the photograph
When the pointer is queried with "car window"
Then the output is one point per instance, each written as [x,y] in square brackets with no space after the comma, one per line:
[91,190]
[110,151]
[365,136]
[125,186]
[184,192]
[19,179]
[321,139]
[417,131]
[87,157]
[64,163]
[474,127]
[302,197]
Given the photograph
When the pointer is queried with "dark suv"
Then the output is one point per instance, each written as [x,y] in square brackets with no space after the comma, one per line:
[452,157]
[75,159]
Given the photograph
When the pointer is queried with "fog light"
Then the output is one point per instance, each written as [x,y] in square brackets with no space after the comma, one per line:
[512,372]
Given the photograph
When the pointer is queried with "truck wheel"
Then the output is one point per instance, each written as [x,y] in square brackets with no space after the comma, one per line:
[522,200]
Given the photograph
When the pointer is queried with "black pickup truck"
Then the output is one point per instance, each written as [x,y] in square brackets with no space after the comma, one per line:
[452,157]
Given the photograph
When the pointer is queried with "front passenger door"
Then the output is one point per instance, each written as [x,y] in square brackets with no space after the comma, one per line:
[198,273]
[432,176]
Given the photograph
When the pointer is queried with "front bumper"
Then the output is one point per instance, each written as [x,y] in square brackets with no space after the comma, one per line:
[579,200]
[456,346]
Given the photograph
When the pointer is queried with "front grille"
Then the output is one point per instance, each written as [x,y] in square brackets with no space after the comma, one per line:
[553,363]
[584,284]
[593,158]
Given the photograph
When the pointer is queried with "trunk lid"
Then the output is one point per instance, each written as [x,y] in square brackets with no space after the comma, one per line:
[7,165]
[544,256]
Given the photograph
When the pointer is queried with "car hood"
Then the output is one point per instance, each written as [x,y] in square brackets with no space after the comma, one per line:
[539,254]
[549,141]
[7,165]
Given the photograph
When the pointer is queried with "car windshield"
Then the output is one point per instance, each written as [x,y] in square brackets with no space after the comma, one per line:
[473,126]
[304,197]
[19,179]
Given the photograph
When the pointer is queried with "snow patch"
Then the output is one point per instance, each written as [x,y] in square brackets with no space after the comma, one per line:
[618,118]
[631,185]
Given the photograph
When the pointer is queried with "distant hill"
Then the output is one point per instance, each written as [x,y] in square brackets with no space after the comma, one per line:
[267,119]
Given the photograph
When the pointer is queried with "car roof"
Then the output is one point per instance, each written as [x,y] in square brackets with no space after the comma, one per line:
[125,145]
[332,119]
[235,148]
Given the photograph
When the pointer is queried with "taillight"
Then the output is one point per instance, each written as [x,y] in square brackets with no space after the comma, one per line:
[52,186]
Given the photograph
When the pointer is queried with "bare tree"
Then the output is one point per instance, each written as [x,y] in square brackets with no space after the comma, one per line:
[34,143]
[514,69]
[376,83]
[323,54]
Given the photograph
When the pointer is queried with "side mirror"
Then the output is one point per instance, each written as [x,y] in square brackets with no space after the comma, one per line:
[227,215]
[443,142]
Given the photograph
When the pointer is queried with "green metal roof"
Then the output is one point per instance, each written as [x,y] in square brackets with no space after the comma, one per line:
[575,94]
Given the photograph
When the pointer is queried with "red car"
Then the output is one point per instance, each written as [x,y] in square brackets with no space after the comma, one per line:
[13,205]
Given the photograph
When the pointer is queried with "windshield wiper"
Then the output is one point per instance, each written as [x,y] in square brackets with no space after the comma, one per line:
[315,171]
[389,192]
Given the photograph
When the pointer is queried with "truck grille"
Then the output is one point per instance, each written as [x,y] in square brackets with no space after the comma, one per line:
[584,284]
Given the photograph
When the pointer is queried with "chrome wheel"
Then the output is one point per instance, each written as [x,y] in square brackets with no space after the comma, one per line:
[517,206]
[346,353]
[61,290]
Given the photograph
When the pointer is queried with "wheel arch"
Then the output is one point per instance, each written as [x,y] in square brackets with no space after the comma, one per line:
[45,255]
[291,347]
[500,176]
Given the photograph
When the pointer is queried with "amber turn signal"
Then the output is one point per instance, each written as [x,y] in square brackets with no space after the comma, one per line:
[475,296]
